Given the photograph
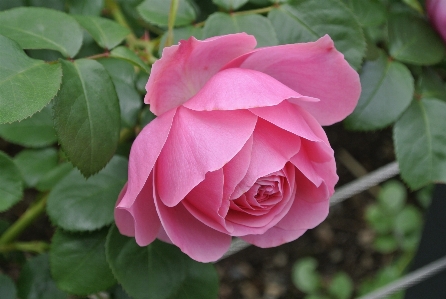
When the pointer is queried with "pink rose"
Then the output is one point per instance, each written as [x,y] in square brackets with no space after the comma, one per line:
[237,148]
[436,10]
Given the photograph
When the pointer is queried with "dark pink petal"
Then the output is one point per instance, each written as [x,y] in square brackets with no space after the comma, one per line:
[314,69]
[235,88]
[184,69]
[288,117]
[235,170]
[205,200]
[144,153]
[272,148]
[194,238]
[245,223]
[141,216]
[436,10]
[199,142]
[310,206]
[273,237]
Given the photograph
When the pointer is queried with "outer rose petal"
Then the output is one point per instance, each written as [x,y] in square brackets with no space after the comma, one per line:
[193,149]
[140,219]
[142,157]
[314,69]
[273,237]
[205,200]
[233,89]
[437,14]
[184,69]
[194,238]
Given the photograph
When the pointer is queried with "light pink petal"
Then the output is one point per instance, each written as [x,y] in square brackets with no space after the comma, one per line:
[199,142]
[162,235]
[141,219]
[205,200]
[144,153]
[184,69]
[272,148]
[194,238]
[310,206]
[236,169]
[314,69]
[236,88]
[288,117]
[275,236]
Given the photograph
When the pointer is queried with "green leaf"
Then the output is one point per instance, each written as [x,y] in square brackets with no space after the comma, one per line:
[34,164]
[420,143]
[341,286]
[308,20]
[305,276]
[157,12]
[130,56]
[11,185]
[412,40]
[408,220]
[431,85]
[36,131]
[138,269]
[378,219]
[42,28]
[53,4]
[78,263]
[35,280]
[77,204]
[106,33]
[180,34]
[52,177]
[385,244]
[86,115]
[392,197]
[368,12]
[123,76]
[387,89]
[26,85]
[85,7]
[7,287]
[230,5]
[222,23]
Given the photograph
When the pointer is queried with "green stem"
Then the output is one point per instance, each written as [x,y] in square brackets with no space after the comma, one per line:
[33,246]
[119,17]
[171,22]
[30,215]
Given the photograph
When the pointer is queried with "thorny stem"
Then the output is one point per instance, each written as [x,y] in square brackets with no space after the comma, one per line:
[30,215]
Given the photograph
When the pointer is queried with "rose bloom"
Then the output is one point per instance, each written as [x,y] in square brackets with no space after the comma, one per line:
[436,10]
[237,148]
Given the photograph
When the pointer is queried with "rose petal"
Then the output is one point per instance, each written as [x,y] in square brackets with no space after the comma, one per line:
[272,148]
[314,69]
[192,149]
[288,117]
[236,169]
[143,157]
[273,237]
[205,200]
[310,206]
[189,66]
[141,219]
[236,88]
[195,239]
